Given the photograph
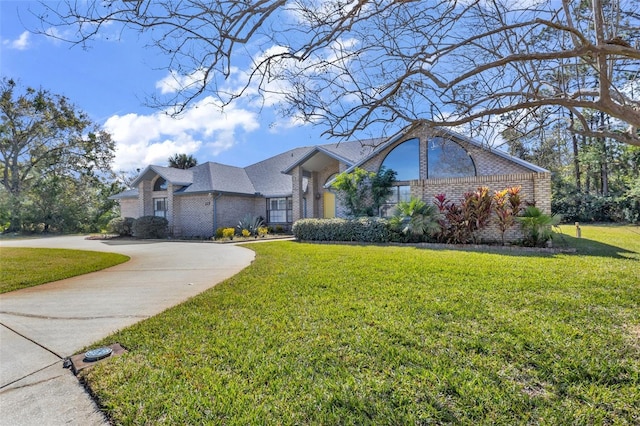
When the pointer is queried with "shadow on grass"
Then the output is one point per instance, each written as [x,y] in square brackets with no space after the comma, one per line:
[562,244]
[587,247]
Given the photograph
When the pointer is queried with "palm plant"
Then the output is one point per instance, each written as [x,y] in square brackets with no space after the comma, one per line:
[182,161]
[537,225]
[416,218]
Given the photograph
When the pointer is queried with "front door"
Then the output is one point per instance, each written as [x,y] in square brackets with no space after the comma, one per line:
[329,205]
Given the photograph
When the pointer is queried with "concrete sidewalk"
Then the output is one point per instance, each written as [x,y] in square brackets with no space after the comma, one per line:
[40,326]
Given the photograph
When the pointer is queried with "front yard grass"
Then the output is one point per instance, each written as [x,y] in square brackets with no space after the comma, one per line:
[349,334]
[28,267]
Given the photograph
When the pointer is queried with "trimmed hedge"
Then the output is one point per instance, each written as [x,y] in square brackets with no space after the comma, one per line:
[122,226]
[150,227]
[366,229]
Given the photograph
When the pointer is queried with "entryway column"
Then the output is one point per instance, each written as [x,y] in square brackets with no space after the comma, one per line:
[297,193]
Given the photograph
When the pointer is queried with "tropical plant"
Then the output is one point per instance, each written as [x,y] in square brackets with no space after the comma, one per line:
[537,226]
[251,224]
[416,218]
[461,221]
[363,192]
[182,161]
[476,207]
[506,206]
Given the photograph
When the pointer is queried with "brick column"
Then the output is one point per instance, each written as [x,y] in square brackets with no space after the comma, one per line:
[423,156]
[145,201]
[542,191]
[170,208]
[297,194]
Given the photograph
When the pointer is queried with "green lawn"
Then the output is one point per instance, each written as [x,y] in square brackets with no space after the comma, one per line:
[28,267]
[348,334]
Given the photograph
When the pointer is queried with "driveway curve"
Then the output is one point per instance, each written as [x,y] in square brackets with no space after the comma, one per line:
[40,326]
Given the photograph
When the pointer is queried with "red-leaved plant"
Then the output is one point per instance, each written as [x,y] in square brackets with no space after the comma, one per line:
[462,221]
[507,205]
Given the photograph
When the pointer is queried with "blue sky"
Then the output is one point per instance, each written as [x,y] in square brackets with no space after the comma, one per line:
[110,82]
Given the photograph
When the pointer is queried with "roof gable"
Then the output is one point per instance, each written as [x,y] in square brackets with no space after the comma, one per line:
[216,177]
[454,135]
[345,152]
[179,177]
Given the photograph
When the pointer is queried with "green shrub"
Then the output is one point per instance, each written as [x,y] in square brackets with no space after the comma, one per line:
[416,219]
[150,227]
[363,191]
[228,233]
[122,226]
[366,229]
[219,233]
[537,226]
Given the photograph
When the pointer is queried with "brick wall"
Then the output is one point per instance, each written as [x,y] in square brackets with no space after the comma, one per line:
[129,207]
[194,214]
[536,189]
[493,171]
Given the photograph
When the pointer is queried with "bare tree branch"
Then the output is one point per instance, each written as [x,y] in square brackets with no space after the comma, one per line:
[357,66]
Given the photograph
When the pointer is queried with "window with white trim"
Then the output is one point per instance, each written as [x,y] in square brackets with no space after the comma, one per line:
[160,207]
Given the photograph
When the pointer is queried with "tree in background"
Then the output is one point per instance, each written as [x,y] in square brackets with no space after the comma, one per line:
[363,192]
[592,177]
[54,162]
[182,161]
[354,66]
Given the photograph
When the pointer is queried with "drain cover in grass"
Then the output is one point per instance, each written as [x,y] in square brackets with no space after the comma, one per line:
[97,354]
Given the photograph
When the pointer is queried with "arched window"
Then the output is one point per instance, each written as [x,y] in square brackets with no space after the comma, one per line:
[160,184]
[447,159]
[404,159]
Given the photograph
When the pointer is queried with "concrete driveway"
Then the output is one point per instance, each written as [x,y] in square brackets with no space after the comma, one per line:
[40,326]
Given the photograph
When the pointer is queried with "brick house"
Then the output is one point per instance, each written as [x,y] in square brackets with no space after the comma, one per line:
[295,184]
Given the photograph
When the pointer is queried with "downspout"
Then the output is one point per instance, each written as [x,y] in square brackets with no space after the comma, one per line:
[215,212]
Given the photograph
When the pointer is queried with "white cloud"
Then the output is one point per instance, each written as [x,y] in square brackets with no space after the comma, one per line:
[204,129]
[21,43]
[175,82]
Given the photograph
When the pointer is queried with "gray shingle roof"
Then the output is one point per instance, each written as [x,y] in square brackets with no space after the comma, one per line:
[130,193]
[175,176]
[216,177]
[267,176]
[264,177]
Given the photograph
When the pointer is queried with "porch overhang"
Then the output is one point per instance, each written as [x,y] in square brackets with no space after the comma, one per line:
[316,160]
